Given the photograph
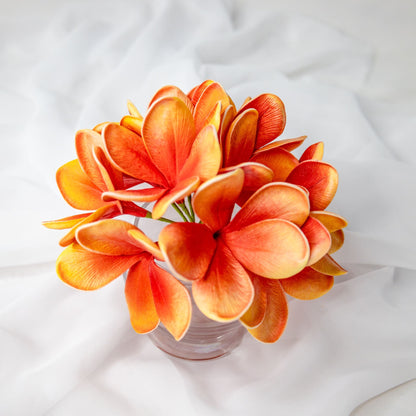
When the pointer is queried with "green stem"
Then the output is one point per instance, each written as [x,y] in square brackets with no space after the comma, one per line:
[163,219]
[186,211]
[191,210]
[178,210]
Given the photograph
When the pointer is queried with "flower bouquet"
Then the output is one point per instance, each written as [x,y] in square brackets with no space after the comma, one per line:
[253,222]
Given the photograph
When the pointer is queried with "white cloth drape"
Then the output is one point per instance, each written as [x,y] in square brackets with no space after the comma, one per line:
[70,65]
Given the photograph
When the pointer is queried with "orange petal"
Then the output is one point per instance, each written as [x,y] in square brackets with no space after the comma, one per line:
[241,138]
[143,242]
[274,248]
[209,98]
[257,310]
[274,200]
[205,157]
[314,152]
[214,117]
[99,127]
[64,223]
[327,265]
[133,111]
[172,91]
[139,297]
[108,211]
[226,292]
[275,318]
[140,195]
[85,270]
[255,176]
[129,154]
[318,237]
[85,141]
[172,301]
[188,249]
[132,123]
[286,144]
[215,199]
[332,222]
[280,161]
[308,284]
[319,178]
[168,133]
[109,237]
[247,100]
[196,92]
[272,117]
[337,241]
[226,120]
[179,192]
[77,188]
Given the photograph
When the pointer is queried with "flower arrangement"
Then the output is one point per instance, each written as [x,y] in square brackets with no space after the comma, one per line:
[254,222]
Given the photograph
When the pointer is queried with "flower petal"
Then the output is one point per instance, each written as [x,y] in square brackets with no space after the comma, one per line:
[225,292]
[180,191]
[132,123]
[318,237]
[129,154]
[257,310]
[226,120]
[319,178]
[85,141]
[327,265]
[214,117]
[215,199]
[279,160]
[100,126]
[209,98]
[337,241]
[286,144]
[314,152]
[139,195]
[188,249]
[139,297]
[108,211]
[275,318]
[272,117]
[274,200]
[172,301]
[196,92]
[64,223]
[77,188]
[241,138]
[332,222]
[143,242]
[168,133]
[172,91]
[255,176]
[109,237]
[308,284]
[133,111]
[205,157]
[85,270]
[274,248]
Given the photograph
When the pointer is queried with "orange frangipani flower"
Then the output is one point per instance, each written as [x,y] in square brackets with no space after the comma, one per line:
[82,182]
[104,250]
[269,238]
[173,149]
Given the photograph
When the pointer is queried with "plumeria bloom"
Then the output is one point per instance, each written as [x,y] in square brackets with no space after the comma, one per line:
[269,238]
[104,250]
[173,149]
[82,183]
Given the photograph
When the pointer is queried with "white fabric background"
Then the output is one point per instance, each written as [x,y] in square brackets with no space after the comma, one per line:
[346,74]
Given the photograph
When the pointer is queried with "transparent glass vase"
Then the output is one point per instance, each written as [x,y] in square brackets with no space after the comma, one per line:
[205,339]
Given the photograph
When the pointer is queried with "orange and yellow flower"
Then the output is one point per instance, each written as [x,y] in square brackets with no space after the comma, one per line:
[106,249]
[242,262]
